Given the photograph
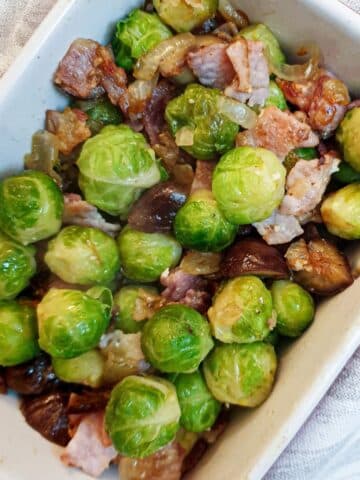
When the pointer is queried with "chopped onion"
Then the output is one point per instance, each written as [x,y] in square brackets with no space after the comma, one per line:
[184,137]
[299,72]
[237,112]
[141,90]
[201,263]
[231,14]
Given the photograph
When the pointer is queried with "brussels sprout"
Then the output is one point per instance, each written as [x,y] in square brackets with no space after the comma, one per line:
[135,35]
[241,374]
[142,415]
[70,322]
[144,256]
[242,311]
[276,97]
[340,212]
[86,369]
[83,255]
[273,338]
[346,174]
[17,266]
[199,409]
[115,167]
[183,15]
[347,136]
[197,109]
[176,339]
[248,184]
[200,225]
[31,207]
[294,307]
[262,33]
[305,153]
[101,112]
[18,333]
[127,301]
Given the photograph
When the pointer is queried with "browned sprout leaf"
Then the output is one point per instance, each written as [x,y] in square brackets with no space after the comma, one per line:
[319,266]
[252,256]
[201,263]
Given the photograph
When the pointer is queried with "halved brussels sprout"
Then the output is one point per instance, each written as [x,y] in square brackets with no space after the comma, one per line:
[294,307]
[135,35]
[197,109]
[276,97]
[17,266]
[86,369]
[100,112]
[347,136]
[346,174]
[142,415]
[129,303]
[199,409]
[144,256]
[83,255]
[241,374]
[116,165]
[242,311]
[262,33]
[31,207]
[70,322]
[184,15]
[340,212]
[176,339]
[248,184]
[200,225]
[18,333]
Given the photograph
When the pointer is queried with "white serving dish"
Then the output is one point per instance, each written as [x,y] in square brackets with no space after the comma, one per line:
[255,438]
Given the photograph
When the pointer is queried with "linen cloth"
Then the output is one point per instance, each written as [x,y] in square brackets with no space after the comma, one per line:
[328,445]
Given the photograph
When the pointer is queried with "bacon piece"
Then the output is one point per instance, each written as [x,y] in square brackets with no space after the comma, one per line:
[69,127]
[90,449]
[211,65]
[306,184]
[203,176]
[197,299]
[79,212]
[238,53]
[279,132]
[279,228]
[177,284]
[88,69]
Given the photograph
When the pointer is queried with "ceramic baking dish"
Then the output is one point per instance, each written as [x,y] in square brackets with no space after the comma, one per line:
[255,438]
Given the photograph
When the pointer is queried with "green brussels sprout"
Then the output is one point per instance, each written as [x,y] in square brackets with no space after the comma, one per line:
[17,266]
[144,256]
[241,374]
[176,339]
[142,415]
[242,311]
[83,255]
[183,15]
[199,224]
[276,97]
[86,369]
[305,153]
[199,409]
[197,110]
[340,212]
[127,301]
[294,307]
[273,338]
[347,136]
[101,112]
[18,333]
[116,165]
[135,35]
[248,184]
[31,207]
[70,322]
[346,174]
[262,33]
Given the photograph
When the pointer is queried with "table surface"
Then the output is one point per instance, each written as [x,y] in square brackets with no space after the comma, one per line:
[328,445]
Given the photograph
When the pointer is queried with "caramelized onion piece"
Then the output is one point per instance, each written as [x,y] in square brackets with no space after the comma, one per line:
[231,14]
[252,256]
[47,415]
[88,401]
[300,72]
[201,263]
[237,112]
[319,266]
[156,209]
[32,378]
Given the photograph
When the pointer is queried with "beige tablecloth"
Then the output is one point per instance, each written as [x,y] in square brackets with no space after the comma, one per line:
[328,445]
